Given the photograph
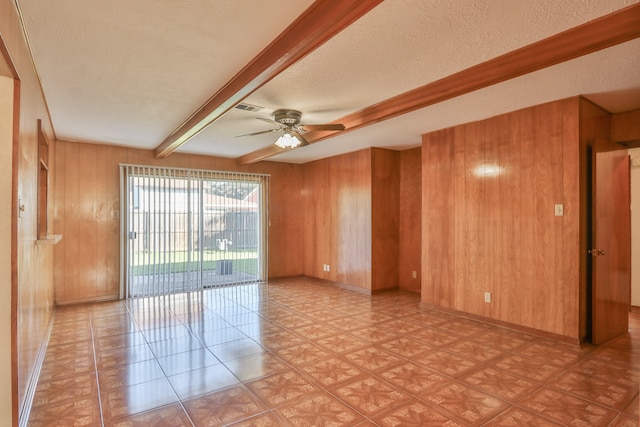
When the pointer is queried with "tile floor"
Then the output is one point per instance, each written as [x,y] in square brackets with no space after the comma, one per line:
[296,352]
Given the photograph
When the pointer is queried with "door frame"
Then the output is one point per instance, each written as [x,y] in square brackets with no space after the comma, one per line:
[11,73]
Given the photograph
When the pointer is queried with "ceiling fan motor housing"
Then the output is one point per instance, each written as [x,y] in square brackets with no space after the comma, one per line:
[287,117]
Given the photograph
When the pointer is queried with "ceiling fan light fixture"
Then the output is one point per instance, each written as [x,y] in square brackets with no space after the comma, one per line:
[287,140]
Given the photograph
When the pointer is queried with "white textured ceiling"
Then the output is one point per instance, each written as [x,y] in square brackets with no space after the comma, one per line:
[130,72]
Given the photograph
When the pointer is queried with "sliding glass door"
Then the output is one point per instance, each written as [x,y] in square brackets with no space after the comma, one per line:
[187,230]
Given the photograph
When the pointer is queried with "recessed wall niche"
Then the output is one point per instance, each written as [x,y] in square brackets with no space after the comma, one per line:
[43,182]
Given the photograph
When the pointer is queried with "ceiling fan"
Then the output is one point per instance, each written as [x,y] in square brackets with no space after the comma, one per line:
[288,124]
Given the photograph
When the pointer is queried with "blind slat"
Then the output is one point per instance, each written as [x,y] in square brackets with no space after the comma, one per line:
[191,229]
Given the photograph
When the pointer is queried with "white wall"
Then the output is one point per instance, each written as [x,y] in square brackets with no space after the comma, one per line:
[635,229]
[6,150]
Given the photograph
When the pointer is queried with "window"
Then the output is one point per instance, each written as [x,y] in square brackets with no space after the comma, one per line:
[191,229]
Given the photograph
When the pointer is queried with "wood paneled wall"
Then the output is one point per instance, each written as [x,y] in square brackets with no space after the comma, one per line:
[410,217]
[488,195]
[87,192]
[32,263]
[337,224]
[342,212]
[385,218]
[352,214]
[625,128]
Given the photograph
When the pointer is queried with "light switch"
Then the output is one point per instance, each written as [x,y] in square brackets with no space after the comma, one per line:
[559,209]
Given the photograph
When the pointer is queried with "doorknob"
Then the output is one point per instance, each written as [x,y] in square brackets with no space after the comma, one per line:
[596,252]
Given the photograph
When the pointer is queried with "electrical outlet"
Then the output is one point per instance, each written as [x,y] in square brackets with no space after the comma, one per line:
[414,274]
[328,267]
[487,297]
[559,210]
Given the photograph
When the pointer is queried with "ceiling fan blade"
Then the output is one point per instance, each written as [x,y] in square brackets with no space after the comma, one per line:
[258,133]
[301,138]
[328,126]
[288,128]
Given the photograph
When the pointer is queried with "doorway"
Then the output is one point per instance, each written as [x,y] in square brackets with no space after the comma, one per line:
[186,230]
[609,245]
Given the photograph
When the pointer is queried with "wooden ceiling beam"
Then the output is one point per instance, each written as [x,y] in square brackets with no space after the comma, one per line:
[601,33]
[320,22]
[261,154]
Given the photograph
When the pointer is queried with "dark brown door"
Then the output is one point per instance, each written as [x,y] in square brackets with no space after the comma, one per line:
[611,250]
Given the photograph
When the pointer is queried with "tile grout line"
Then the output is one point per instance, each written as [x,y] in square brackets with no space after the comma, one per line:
[520,351]
[95,367]
[24,413]
[327,390]
[241,383]
[155,358]
[540,385]
[268,407]
[338,355]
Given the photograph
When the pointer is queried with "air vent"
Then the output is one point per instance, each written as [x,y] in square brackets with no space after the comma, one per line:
[248,107]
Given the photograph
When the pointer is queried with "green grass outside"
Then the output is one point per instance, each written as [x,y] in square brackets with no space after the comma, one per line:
[177,262]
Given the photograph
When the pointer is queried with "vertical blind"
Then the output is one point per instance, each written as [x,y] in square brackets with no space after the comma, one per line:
[187,229]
